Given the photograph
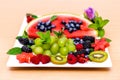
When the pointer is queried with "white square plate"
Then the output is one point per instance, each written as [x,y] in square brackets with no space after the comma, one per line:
[13,62]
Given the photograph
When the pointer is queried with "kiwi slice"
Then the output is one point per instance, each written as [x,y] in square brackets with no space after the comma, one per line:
[98,56]
[58,59]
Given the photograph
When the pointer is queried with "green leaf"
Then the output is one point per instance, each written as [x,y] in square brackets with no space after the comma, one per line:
[94,26]
[104,22]
[41,35]
[34,16]
[85,16]
[98,20]
[58,34]
[25,35]
[101,33]
[108,40]
[14,51]
[53,18]
[44,36]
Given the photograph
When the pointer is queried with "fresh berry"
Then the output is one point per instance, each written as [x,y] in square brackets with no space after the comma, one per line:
[26,49]
[79,47]
[71,59]
[29,18]
[45,59]
[90,38]
[23,41]
[45,26]
[31,42]
[24,57]
[82,60]
[35,59]
[87,44]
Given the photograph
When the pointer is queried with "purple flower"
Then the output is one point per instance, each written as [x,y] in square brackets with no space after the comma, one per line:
[90,13]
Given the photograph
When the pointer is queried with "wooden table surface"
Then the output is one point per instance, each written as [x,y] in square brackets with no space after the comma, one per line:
[11,16]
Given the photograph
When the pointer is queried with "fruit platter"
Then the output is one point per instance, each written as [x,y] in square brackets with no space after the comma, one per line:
[61,40]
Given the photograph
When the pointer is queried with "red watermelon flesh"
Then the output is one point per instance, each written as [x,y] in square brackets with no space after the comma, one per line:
[57,22]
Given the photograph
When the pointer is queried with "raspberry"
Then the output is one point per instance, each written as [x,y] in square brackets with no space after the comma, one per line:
[45,59]
[82,59]
[29,17]
[35,59]
[71,59]
[79,47]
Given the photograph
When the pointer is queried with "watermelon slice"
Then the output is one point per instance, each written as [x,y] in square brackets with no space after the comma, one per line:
[32,26]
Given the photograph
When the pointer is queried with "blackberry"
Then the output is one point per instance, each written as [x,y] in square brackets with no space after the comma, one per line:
[26,49]
[87,44]
[23,41]
[82,51]
[90,38]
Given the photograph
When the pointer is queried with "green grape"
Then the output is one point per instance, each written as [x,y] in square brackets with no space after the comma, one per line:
[62,41]
[69,41]
[64,51]
[47,52]
[33,47]
[71,47]
[38,50]
[46,46]
[38,42]
[54,48]
[53,39]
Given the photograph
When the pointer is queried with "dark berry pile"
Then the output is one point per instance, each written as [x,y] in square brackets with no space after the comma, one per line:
[83,45]
[45,26]
[72,25]
[26,42]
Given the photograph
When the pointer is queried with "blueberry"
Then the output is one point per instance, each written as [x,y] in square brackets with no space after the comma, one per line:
[42,28]
[77,26]
[67,26]
[23,41]
[63,22]
[26,49]
[48,23]
[70,30]
[49,28]
[80,22]
[77,39]
[31,42]
[81,41]
[52,26]
[72,25]
[76,42]
[90,38]
[74,29]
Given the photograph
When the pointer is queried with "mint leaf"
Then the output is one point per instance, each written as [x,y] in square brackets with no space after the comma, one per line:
[101,32]
[108,40]
[14,51]
[25,35]
[58,34]
[53,18]
[44,36]
[94,26]
[34,16]
[104,22]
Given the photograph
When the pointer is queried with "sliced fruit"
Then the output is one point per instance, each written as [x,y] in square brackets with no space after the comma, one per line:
[98,56]
[31,27]
[58,59]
